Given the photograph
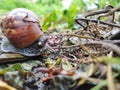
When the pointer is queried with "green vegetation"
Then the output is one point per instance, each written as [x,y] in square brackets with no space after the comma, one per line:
[52,12]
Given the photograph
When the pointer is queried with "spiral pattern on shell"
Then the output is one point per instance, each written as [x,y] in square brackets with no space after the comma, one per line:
[21,27]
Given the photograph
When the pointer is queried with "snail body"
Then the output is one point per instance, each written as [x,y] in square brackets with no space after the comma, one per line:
[23,33]
[21,27]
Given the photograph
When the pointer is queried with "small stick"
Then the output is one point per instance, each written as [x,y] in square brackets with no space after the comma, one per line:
[111,46]
[79,36]
[108,11]
[96,21]
[97,12]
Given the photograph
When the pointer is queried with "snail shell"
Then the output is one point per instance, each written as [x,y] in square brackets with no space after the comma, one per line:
[21,27]
[23,33]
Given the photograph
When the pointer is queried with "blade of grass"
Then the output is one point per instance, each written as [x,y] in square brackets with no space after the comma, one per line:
[110,80]
[102,84]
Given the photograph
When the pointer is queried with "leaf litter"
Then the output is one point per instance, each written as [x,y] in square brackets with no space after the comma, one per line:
[86,59]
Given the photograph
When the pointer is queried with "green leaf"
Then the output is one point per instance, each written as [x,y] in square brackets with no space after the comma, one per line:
[102,84]
[14,67]
[113,60]
[50,20]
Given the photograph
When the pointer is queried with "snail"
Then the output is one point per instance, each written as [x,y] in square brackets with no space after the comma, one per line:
[23,33]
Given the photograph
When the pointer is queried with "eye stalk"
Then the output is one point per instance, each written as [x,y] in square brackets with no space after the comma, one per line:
[42,41]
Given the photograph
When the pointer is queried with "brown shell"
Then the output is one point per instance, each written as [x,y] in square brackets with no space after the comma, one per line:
[21,27]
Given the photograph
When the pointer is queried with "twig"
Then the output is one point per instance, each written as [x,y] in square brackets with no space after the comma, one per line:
[111,46]
[92,13]
[96,21]
[8,60]
[108,11]
[113,41]
[90,42]
[79,36]
[112,11]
